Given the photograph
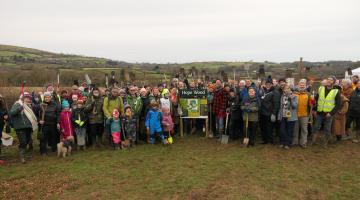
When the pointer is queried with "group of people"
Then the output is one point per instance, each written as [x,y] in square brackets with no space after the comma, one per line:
[87,116]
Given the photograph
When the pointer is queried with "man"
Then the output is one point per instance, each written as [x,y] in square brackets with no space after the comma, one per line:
[219,107]
[236,121]
[303,112]
[24,122]
[327,103]
[54,96]
[354,112]
[145,101]
[49,114]
[94,109]
[134,101]
[269,107]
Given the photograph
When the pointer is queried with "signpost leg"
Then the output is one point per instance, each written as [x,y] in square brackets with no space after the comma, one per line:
[181,127]
[207,127]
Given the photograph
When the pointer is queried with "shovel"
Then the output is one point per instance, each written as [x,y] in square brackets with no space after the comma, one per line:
[246,138]
[225,137]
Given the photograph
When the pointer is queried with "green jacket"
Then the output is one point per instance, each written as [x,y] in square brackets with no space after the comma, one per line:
[18,117]
[94,109]
[110,103]
[135,103]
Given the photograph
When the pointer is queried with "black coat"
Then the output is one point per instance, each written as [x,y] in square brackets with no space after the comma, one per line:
[354,107]
[235,108]
[270,101]
[52,113]
[75,116]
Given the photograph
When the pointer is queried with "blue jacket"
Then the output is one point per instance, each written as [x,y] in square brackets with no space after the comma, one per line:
[153,121]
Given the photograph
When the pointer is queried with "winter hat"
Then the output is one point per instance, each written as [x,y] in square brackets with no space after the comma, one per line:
[26,95]
[81,88]
[333,78]
[269,80]
[126,107]
[75,87]
[47,94]
[65,104]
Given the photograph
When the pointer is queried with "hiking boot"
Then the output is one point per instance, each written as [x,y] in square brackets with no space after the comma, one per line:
[355,141]
[281,146]
[286,147]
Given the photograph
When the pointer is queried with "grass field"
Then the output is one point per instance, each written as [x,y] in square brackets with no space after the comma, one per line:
[192,168]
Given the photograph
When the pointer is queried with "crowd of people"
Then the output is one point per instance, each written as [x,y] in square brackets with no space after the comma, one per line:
[88,117]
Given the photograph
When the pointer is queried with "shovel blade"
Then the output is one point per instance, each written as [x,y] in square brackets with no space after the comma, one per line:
[224,139]
[246,141]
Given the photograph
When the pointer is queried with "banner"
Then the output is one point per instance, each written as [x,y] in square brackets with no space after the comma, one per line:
[193,102]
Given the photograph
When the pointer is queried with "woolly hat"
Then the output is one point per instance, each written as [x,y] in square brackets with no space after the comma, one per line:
[65,104]
[127,106]
[269,80]
[26,95]
[47,94]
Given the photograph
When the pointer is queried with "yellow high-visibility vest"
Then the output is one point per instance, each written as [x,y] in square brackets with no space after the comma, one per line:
[326,104]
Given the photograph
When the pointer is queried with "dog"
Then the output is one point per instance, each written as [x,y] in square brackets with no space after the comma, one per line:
[64,147]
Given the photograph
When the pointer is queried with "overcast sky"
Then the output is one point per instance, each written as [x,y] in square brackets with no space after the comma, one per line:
[186,30]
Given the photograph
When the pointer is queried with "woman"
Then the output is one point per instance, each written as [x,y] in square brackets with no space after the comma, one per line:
[250,107]
[24,122]
[346,88]
[339,120]
[288,116]
[174,109]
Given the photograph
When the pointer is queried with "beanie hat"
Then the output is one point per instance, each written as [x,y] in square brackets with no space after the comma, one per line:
[65,104]
[47,94]
[269,80]
[26,95]
[126,107]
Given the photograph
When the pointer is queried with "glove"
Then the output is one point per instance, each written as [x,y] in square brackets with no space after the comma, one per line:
[273,118]
[77,122]
[81,123]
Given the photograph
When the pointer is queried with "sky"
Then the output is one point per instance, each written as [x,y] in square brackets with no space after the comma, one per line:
[181,31]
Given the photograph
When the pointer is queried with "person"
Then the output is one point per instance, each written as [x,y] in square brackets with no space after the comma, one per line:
[66,127]
[167,122]
[346,88]
[354,113]
[94,110]
[49,112]
[164,100]
[110,103]
[130,123]
[24,122]
[355,80]
[211,114]
[145,100]
[235,115]
[219,107]
[73,102]
[79,120]
[250,107]
[339,123]
[3,117]
[115,124]
[134,101]
[268,111]
[288,116]
[303,112]
[175,108]
[50,89]
[153,123]
[327,104]
[155,95]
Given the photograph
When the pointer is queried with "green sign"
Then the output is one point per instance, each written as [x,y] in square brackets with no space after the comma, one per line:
[193,102]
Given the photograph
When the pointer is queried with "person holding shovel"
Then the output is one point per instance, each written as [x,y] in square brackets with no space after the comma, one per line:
[3,118]
[250,106]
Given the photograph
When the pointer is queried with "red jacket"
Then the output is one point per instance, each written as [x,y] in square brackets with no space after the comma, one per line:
[66,125]
[220,102]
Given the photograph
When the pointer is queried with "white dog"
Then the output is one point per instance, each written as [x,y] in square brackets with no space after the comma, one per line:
[64,147]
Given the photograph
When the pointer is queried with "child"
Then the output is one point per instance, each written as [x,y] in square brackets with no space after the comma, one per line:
[66,129]
[79,119]
[115,128]
[165,101]
[153,123]
[129,122]
[167,122]
[250,106]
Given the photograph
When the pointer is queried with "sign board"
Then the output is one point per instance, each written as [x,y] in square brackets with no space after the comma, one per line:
[193,102]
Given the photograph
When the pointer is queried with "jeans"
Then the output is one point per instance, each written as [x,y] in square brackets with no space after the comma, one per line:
[320,119]
[301,124]
[286,132]
[219,125]
[153,135]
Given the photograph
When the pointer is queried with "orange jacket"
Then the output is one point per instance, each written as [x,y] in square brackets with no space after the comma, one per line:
[303,104]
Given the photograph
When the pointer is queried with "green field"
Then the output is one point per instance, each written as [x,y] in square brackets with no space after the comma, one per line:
[192,168]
